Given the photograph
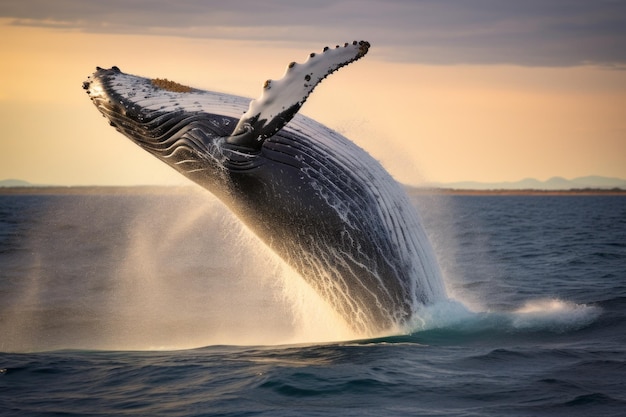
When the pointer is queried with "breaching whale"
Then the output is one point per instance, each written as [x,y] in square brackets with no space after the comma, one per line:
[322,203]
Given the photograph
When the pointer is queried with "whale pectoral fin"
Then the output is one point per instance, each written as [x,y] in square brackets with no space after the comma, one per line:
[281,99]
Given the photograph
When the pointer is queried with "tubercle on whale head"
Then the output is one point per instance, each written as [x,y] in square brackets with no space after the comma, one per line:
[281,99]
[159,83]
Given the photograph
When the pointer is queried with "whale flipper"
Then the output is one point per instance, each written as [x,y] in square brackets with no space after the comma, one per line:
[281,99]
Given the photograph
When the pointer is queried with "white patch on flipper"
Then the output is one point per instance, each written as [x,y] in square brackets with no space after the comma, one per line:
[281,99]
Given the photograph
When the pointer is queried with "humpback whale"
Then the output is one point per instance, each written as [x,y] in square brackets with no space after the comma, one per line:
[322,203]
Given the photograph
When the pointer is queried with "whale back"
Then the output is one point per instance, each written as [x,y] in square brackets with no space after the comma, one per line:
[370,255]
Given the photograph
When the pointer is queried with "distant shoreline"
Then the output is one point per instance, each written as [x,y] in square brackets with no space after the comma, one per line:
[529,192]
[184,189]
[95,189]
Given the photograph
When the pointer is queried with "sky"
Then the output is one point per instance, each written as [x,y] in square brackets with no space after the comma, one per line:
[451,90]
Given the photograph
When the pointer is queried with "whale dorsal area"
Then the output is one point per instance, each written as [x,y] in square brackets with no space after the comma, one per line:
[281,99]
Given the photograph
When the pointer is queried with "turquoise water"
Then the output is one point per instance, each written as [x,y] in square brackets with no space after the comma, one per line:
[142,304]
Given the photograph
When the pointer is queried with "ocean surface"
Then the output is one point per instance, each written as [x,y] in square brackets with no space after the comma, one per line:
[159,303]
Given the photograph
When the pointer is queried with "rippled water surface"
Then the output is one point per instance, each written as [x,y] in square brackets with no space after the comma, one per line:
[158,303]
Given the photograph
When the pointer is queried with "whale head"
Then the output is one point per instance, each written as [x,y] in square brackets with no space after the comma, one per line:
[202,133]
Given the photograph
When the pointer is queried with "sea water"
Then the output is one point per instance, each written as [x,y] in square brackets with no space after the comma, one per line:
[159,303]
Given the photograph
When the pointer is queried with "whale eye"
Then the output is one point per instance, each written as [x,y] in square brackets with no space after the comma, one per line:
[307,77]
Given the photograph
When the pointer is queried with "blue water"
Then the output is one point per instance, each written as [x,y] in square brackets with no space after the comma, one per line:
[157,304]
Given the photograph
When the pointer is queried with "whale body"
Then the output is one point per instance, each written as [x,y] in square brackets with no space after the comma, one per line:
[319,201]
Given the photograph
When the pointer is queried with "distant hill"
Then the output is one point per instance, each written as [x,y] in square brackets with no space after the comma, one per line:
[554,183]
[14,183]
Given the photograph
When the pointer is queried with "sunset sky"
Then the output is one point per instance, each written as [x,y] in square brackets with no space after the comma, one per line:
[452,90]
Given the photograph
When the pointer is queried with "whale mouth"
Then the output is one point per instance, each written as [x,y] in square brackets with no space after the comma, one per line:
[127,99]
[157,113]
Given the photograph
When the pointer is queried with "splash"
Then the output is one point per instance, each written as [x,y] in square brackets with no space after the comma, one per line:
[202,278]
[178,271]
[161,271]
[551,315]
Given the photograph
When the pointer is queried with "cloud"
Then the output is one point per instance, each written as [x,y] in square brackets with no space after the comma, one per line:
[529,32]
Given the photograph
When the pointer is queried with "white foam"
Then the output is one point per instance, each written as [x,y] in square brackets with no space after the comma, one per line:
[553,315]
[447,313]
